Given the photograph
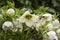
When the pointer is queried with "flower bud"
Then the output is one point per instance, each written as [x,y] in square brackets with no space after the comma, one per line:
[7,25]
[50,26]
[10,12]
[51,33]
[58,31]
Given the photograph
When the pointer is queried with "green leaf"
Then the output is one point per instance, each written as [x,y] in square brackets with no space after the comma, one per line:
[10,4]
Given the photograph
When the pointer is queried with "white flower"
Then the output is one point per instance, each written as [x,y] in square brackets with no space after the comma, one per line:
[53,38]
[58,31]
[35,18]
[47,17]
[7,25]
[50,26]
[28,19]
[56,23]
[51,33]
[10,12]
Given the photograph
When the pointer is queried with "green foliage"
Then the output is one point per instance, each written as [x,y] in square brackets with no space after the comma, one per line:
[41,10]
[10,4]
[34,7]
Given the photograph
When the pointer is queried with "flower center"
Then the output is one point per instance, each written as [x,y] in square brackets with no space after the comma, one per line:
[28,16]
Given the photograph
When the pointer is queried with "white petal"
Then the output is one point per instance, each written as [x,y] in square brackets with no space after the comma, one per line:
[29,23]
[49,18]
[27,12]
[21,19]
[35,18]
[47,14]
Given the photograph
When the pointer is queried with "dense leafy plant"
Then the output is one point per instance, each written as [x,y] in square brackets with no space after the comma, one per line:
[28,24]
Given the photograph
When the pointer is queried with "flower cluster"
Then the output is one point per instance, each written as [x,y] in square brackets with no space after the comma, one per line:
[44,23]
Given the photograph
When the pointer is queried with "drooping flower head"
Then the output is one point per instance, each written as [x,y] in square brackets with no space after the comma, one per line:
[47,17]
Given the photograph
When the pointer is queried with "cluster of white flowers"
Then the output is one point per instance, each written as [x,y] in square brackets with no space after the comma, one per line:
[32,20]
[53,25]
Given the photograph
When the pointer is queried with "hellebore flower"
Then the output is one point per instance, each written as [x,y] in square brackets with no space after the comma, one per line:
[28,19]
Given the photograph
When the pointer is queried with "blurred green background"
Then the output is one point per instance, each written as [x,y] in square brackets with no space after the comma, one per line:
[54,5]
